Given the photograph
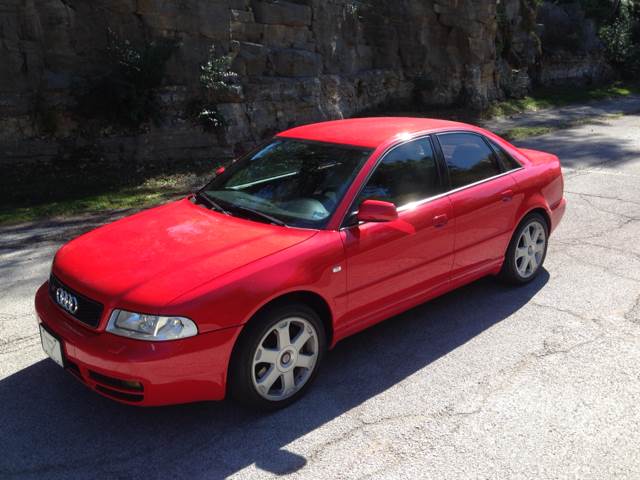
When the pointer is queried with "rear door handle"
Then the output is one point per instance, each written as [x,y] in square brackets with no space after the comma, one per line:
[440,220]
[507,195]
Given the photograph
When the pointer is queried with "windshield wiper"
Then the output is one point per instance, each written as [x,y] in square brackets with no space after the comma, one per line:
[262,215]
[204,198]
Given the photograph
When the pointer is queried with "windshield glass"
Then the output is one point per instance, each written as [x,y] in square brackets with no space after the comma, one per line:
[295,182]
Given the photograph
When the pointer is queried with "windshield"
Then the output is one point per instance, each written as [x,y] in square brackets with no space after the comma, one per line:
[293,182]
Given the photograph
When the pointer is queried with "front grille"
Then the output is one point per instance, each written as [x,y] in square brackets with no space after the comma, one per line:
[88,311]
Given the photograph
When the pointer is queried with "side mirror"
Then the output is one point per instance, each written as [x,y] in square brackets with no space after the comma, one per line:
[219,171]
[377,211]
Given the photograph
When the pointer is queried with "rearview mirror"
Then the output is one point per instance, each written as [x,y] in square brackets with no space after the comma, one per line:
[377,211]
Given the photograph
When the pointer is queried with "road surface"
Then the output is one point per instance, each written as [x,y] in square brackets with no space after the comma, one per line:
[490,381]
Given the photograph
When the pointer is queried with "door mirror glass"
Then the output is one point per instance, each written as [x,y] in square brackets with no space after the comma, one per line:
[377,211]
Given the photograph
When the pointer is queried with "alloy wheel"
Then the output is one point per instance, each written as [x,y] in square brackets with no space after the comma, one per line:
[530,249]
[285,358]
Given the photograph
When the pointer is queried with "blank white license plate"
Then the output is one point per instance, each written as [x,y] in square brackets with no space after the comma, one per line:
[51,346]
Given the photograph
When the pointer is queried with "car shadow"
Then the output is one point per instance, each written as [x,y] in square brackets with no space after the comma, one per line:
[53,426]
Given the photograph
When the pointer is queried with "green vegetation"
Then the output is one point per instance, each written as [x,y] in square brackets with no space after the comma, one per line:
[520,133]
[216,77]
[125,93]
[558,97]
[215,73]
[621,37]
[152,192]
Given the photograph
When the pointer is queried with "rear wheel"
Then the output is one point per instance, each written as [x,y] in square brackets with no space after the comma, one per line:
[278,357]
[527,250]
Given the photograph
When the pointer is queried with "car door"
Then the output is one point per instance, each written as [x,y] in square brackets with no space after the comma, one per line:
[392,262]
[484,201]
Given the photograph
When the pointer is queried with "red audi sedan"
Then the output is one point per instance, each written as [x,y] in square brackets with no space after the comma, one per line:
[242,287]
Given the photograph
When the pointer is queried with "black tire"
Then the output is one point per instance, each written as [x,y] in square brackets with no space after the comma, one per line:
[510,272]
[240,377]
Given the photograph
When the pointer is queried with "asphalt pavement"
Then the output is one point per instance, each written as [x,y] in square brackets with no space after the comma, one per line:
[490,381]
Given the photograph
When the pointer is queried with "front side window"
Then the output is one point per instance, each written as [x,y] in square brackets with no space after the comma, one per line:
[408,173]
[468,157]
[294,182]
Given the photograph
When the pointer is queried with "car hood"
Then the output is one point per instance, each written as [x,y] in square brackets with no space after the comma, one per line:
[148,259]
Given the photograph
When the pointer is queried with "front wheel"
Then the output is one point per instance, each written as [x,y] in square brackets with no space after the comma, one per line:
[278,357]
[527,250]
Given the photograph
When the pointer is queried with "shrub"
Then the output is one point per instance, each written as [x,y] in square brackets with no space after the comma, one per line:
[216,76]
[617,38]
[622,40]
[125,93]
[216,73]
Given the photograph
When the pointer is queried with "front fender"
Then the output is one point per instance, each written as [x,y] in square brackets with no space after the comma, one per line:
[234,298]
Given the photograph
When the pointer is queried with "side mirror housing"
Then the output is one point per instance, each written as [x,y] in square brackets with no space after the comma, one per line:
[377,211]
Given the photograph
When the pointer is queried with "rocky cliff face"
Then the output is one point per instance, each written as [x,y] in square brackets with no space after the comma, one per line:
[572,51]
[297,62]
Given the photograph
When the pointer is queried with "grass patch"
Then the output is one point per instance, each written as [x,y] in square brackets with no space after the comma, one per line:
[520,133]
[560,97]
[152,192]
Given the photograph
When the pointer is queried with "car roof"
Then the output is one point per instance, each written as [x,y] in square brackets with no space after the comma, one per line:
[369,132]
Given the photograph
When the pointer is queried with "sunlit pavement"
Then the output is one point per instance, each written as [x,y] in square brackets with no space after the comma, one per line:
[489,381]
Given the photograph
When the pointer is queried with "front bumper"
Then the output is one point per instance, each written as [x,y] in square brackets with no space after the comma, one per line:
[139,372]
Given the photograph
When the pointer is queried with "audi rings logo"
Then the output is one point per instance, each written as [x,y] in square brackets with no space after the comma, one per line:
[67,301]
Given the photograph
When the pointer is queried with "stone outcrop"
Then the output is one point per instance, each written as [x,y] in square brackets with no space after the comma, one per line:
[572,52]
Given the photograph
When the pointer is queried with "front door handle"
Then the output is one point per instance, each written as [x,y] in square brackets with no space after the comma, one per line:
[507,195]
[440,220]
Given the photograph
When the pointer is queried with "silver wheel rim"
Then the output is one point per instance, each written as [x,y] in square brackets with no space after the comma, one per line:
[530,249]
[285,358]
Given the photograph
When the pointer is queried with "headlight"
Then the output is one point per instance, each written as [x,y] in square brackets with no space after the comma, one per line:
[150,327]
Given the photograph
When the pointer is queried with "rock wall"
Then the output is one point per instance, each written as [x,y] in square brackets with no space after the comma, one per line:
[518,45]
[572,53]
[298,61]
[562,68]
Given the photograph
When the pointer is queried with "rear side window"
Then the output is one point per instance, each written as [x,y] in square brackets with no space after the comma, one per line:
[507,160]
[469,158]
[408,173]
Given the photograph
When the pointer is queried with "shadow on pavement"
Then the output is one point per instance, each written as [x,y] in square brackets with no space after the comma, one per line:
[53,426]
[584,148]
[54,230]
